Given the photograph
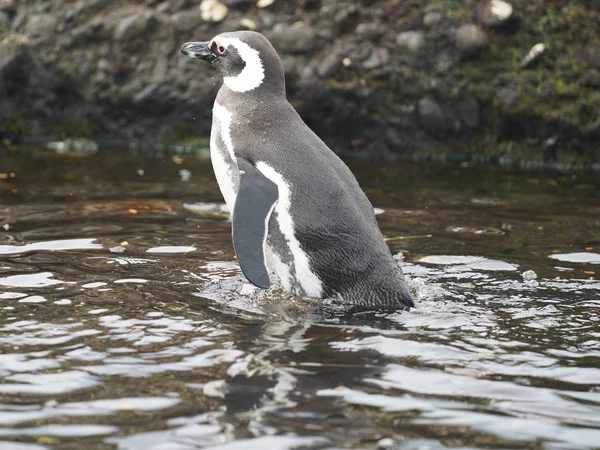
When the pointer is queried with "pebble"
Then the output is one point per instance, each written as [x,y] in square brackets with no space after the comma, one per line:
[264,3]
[495,13]
[471,39]
[368,31]
[534,54]
[248,24]
[213,11]
[529,275]
[412,40]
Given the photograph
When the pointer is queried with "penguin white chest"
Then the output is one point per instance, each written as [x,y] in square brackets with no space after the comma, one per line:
[222,156]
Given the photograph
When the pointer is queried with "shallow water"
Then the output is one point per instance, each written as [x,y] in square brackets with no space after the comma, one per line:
[125,322]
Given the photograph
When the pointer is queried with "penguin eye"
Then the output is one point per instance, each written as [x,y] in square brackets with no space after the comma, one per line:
[222,50]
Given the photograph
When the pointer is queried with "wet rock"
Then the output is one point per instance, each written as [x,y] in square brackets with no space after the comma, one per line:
[378,57]
[186,20]
[533,55]
[468,109]
[40,26]
[368,31]
[297,38]
[495,13]
[432,18]
[134,26]
[470,39]
[213,10]
[412,40]
[431,117]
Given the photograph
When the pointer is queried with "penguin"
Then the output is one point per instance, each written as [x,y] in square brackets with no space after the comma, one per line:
[298,212]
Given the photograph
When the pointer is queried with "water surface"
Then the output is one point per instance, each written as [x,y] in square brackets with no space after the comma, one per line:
[125,322]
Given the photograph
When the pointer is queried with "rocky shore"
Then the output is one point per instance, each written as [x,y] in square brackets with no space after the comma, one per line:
[519,79]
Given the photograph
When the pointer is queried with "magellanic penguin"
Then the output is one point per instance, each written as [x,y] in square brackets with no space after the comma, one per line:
[298,211]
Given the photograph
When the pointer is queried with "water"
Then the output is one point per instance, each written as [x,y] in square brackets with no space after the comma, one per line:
[125,322]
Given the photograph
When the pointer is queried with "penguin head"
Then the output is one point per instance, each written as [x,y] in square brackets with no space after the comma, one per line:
[246,59]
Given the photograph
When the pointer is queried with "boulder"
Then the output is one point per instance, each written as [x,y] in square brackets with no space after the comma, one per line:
[134,26]
[431,117]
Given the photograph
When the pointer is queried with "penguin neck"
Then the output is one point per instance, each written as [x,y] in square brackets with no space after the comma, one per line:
[267,95]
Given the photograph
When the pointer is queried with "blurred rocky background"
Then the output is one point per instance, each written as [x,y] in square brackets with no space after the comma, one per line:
[519,79]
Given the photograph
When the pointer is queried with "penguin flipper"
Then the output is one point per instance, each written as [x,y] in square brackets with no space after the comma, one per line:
[253,206]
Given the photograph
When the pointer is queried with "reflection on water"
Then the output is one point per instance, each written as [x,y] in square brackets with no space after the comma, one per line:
[125,322]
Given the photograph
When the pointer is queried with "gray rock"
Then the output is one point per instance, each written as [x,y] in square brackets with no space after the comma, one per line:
[8,6]
[11,48]
[468,109]
[378,57]
[330,65]
[41,26]
[134,26]
[507,97]
[186,20]
[368,31]
[297,38]
[163,7]
[470,39]
[432,18]
[4,19]
[494,13]
[412,40]
[431,117]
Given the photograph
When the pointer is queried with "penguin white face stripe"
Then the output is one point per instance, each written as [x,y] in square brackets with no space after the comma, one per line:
[252,74]
[310,283]
[223,159]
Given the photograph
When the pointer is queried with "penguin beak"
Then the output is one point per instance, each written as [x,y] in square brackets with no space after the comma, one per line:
[198,50]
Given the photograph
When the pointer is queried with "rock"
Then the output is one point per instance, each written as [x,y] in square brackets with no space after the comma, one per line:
[248,24]
[12,47]
[534,54]
[495,13]
[432,18]
[238,3]
[378,57]
[297,38]
[468,109]
[163,7]
[264,3]
[412,40]
[368,31]
[470,39]
[507,97]
[213,10]
[330,65]
[134,26]
[431,117]
[8,6]
[41,26]
[186,20]
[4,19]
[77,145]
